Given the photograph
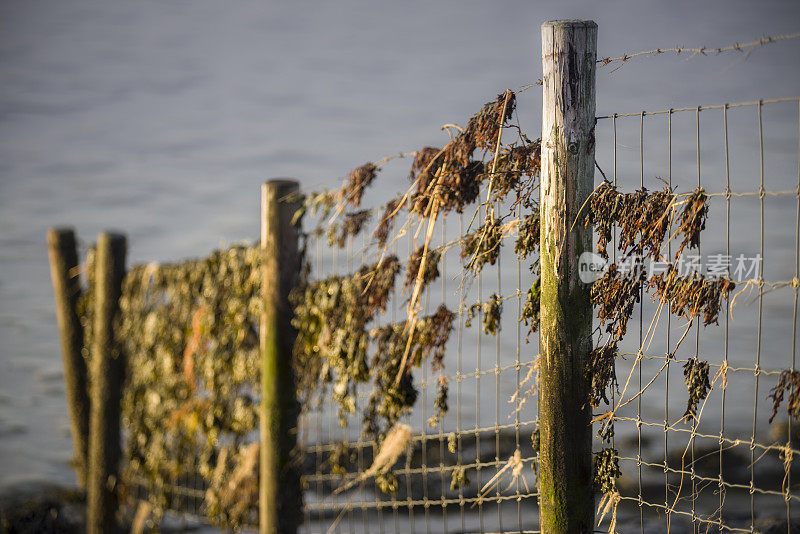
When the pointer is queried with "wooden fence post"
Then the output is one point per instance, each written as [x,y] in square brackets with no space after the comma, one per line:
[569,54]
[67,289]
[107,370]
[280,496]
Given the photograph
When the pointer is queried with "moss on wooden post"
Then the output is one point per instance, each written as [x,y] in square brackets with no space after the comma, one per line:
[67,288]
[280,497]
[107,370]
[568,115]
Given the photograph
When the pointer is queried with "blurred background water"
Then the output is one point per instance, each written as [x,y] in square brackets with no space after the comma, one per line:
[160,119]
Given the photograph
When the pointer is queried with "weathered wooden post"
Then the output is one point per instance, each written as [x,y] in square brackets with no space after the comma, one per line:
[107,370]
[280,496]
[67,289]
[569,56]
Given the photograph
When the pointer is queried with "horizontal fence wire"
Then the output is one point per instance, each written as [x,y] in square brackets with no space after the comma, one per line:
[706,472]
[471,439]
[725,471]
[730,477]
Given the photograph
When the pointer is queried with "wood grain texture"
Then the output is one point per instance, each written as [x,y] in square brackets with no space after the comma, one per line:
[568,110]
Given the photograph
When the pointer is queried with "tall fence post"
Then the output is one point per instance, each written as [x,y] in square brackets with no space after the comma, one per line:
[67,289]
[107,370]
[280,496]
[569,53]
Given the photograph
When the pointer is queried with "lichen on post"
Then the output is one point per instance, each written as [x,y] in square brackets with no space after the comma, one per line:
[567,158]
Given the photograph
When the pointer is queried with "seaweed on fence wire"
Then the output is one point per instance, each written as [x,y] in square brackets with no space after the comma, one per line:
[695,374]
[691,295]
[453,187]
[512,164]
[189,334]
[353,224]
[604,212]
[339,457]
[528,239]
[614,296]
[439,403]
[390,399]
[656,221]
[428,274]
[381,233]
[600,372]
[316,204]
[452,444]
[788,380]
[451,175]
[530,312]
[643,218]
[458,479]
[606,470]
[357,181]
[692,219]
[331,318]
[482,246]
[232,495]
[490,311]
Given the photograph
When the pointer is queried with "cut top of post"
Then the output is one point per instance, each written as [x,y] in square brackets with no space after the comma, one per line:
[570,22]
[580,34]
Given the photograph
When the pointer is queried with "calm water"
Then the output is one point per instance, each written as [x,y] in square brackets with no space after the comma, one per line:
[160,119]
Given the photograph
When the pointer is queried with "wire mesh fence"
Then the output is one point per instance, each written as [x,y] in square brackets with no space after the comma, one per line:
[699,417]
[732,464]
[725,469]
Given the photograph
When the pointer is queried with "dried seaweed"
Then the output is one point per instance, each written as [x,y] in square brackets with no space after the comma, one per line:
[456,187]
[789,381]
[189,334]
[606,470]
[512,164]
[528,239]
[457,176]
[693,220]
[379,279]
[491,312]
[458,479]
[482,246]
[315,203]
[695,374]
[530,313]
[691,295]
[386,222]
[614,296]
[600,372]
[358,180]
[643,218]
[422,167]
[429,273]
[331,317]
[353,223]
[391,399]
[439,403]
